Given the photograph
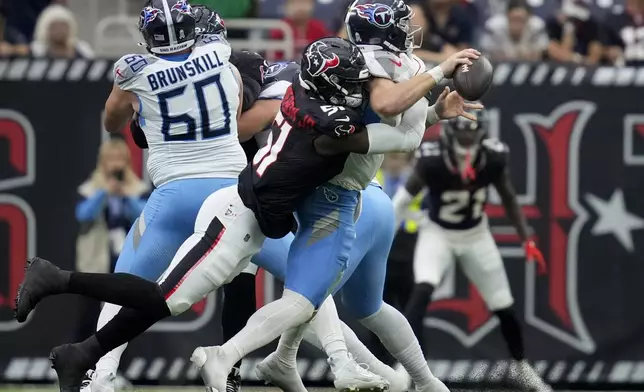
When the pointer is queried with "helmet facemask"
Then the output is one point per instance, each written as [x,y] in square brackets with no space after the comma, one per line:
[411,30]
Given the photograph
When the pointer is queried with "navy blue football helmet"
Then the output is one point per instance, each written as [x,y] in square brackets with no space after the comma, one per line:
[462,132]
[167,26]
[209,21]
[336,70]
[386,23]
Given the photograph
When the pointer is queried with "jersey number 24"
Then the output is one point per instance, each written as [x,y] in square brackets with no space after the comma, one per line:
[204,113]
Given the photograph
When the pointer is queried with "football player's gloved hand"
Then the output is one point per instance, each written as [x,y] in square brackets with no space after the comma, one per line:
[532,253]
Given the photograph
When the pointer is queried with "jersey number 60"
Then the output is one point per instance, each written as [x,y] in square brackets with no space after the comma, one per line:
[191,123]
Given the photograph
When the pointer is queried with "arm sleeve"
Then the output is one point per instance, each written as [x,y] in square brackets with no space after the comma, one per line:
[88,209]
[405,137]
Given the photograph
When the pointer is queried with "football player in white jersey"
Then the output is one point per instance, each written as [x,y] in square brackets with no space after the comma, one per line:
[187,97]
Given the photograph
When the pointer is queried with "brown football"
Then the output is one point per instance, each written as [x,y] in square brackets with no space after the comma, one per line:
[473,81]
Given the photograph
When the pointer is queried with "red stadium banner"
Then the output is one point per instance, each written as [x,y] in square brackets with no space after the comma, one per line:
[576,137]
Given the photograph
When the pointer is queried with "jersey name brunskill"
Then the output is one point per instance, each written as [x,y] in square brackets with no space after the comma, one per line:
[173,75]
[453,204]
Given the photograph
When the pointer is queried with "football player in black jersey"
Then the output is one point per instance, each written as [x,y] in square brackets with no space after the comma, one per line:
[457,171]
[239,298]
[227,232]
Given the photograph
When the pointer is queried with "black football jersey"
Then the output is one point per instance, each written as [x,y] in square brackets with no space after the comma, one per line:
[288,168]
[454,204]
[277,78]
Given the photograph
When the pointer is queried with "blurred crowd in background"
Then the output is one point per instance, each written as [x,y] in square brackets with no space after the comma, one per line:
[589,32]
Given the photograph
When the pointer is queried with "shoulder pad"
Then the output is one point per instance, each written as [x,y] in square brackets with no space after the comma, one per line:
[381,64]
[387,65]
[428,150]
[129,66]
[275,90]
[207,39]
[338,121]
[496,149]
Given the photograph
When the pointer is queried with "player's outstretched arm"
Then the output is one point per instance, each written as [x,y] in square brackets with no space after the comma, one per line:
[390,99]
[257,118]
[509,199]
[240,83]
[119,109]
[405,194]
[508,196]
[379,138]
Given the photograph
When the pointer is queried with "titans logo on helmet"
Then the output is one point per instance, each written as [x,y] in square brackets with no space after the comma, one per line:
[319,62]
[380,15]
[148,15]
[182,7]
[275,68]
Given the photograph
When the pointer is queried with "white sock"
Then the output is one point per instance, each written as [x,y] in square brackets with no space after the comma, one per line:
[267,324]
[109,363]
[395,333]
[328,328]
[362,355]
[289,344]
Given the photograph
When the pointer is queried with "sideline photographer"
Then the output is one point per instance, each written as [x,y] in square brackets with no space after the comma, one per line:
[112,199]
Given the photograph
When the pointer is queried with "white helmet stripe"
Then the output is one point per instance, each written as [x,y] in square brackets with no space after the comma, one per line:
[169,23]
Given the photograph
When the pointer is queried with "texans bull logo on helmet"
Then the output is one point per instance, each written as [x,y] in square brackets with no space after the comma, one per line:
[377,14]
[319,62]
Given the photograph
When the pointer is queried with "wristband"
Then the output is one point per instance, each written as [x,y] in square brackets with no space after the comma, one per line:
[437,74]
[432,116]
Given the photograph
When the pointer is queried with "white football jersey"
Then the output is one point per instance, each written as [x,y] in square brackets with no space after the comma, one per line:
[188,111]
[360,169]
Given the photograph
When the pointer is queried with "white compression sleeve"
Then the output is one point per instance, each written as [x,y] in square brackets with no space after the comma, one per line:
[432,117]
[328,329]
[401,201]
[109,363]
[361,353]
[395,333]
[405,137]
